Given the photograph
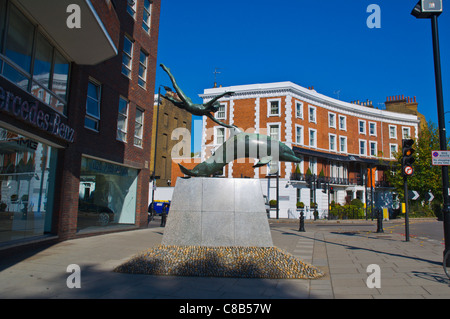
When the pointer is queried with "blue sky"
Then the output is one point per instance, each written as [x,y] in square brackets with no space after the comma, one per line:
[322,43]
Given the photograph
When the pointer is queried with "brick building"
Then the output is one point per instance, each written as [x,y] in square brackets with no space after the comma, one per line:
[76,114]
[348,145]
[166,119]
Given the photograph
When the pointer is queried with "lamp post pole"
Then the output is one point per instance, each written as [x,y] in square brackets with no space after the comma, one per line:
[156,144]
[442,131]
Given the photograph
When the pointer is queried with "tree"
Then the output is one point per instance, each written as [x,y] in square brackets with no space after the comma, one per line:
[426,177]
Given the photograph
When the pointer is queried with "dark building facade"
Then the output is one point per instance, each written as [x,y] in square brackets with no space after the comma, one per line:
[76,116]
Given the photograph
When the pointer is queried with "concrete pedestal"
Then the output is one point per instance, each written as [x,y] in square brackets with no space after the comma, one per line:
[217,212]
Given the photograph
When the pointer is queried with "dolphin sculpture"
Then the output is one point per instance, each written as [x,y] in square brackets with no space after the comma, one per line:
[206,109]
[243,145]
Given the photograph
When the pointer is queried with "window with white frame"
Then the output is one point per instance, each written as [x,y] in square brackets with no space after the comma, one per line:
[127,57]
[138,127]
[362,147]
[147,16]
[406,133]
[332,142]
[373,148]
[298,110]
[342,122]
[143,61]
[392,131]
[362,127]
[131,7]
[122,120]
[393,148]
[221,112]
[299,134]
[373,128]
[332,120]
[343,144]
[312,114]
[312,138]
[273,107]
[220,135]
[274,131]
[93,99]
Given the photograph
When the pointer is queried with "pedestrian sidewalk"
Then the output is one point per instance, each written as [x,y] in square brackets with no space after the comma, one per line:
[406,269]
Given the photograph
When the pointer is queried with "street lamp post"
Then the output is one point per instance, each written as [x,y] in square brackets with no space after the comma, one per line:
[431,9]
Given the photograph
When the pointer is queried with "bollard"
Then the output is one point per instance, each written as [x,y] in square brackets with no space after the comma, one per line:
[380,221]
[302,222]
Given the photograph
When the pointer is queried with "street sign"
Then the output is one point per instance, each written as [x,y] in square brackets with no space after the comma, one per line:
[408,170]
[429,197]
[413,195]
[440,158]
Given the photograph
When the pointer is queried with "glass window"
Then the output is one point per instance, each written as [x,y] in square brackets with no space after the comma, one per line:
[147,15]
[27,175]
[393,150]
[122,120]
[220,114]
[332,142]
[312,138]
[332,120]
[342,122]
[2,22]
[343,144]
[274,108]
[220,136]
[362,127]
[60,76]
[19,40]
[274,132]
[312,114]
[406,133]
[139,123]
[299,110]
[372,128]
[299,135]
[43,61]
[107,195]
[131,7]
[392,131]
[362,147]
[373,149]
[143,69]
[93,106]
[127,58]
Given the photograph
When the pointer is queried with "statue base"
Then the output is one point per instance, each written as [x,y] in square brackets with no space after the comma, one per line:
[217,212]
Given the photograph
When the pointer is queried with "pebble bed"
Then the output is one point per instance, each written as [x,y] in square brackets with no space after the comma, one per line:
[200,261]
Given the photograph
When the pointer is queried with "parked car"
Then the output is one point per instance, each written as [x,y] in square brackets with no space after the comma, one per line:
[156,208]
[103,215]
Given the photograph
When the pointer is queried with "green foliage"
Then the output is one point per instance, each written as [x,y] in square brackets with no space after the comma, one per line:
[426,177]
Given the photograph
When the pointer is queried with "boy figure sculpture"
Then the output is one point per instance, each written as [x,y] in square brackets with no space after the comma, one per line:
[206,109]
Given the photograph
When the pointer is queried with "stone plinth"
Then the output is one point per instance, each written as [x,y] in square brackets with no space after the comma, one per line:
[217,212]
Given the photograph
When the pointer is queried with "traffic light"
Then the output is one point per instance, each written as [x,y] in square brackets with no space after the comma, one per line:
[407,159]
[331,190]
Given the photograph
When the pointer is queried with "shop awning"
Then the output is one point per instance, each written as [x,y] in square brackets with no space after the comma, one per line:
[90,44]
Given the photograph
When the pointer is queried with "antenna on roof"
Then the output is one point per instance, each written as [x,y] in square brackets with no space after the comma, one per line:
[338,93]
[215,76]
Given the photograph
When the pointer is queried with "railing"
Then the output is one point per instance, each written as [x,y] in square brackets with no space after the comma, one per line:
[325,179]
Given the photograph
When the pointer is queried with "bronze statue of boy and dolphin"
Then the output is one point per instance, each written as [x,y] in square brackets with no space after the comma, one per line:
[239,145]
